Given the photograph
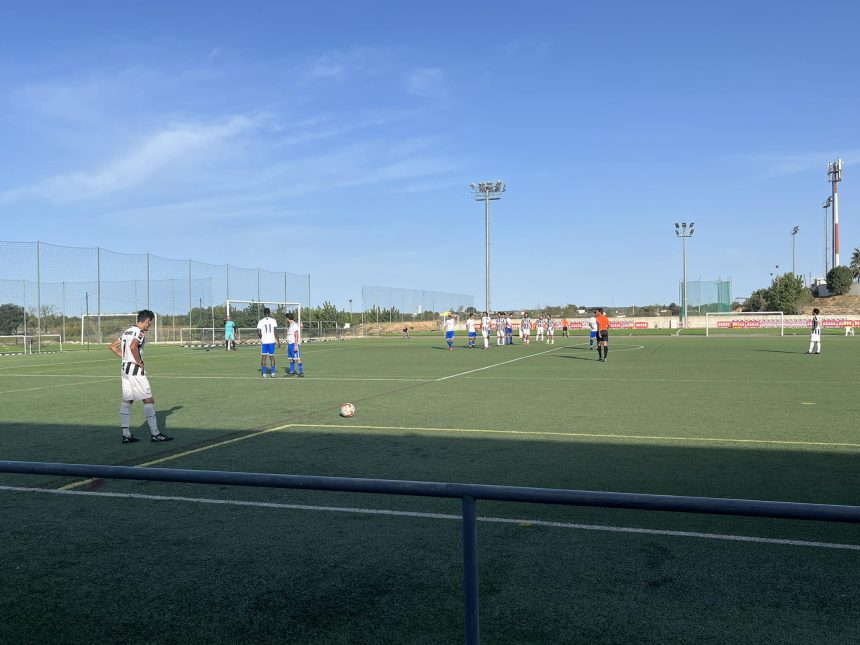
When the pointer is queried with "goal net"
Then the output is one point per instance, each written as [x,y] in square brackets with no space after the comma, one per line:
[26,344]
[246,314]
[105,328]
[749,322]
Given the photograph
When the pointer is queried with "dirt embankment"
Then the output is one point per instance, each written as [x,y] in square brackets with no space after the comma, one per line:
[830,305]
[395,328]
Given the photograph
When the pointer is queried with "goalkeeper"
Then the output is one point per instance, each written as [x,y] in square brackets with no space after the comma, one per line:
[229,334]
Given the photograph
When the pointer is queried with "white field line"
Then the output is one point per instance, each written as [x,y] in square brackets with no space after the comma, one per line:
[52,387]
[109,359]
[185,453]
[523,523]
[586,435]
[522,358]
[513,360]
[227,377]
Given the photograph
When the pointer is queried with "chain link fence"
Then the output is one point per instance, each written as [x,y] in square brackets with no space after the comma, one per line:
[50,289]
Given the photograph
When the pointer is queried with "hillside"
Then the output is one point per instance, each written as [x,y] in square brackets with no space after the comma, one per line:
[847,304]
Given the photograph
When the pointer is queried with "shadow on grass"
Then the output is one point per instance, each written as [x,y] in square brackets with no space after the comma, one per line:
[398,579]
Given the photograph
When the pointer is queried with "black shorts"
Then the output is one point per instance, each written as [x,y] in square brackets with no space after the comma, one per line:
[564,328]
[603,336]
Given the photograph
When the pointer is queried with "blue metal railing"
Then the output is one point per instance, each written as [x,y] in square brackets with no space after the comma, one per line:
[469,494]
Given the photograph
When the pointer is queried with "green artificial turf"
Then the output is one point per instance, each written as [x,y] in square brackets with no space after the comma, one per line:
[738,417]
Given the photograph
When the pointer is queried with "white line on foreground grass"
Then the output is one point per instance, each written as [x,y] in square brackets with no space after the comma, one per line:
[100,379]
[586,435]
[524,523]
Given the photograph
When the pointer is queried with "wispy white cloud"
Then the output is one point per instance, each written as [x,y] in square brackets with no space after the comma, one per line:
[427,82]
[343,63]
[156,153]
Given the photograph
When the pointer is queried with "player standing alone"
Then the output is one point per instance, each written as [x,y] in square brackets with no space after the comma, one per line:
[602,335]
[267,331]
[294,341]
[229,334]
[564,325]
[815,338]
[135,384]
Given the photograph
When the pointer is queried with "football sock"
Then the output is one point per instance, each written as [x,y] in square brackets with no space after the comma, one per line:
[124,413]
[301,369]
[292,367]
[599,352]
[149,415]
[811,345]
[606,351]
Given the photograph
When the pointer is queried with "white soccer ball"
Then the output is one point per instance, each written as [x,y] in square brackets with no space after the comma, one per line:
[347,410]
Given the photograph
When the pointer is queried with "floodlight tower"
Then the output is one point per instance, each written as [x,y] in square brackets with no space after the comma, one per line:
[794,233]
[487,191]
[834,174]
[683,232]
[827,204]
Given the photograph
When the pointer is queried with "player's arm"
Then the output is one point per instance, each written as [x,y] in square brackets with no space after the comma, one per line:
[114,347]
[135,351]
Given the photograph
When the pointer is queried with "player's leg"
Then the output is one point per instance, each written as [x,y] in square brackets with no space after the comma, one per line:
[124,415]
[152,421]
[263,367]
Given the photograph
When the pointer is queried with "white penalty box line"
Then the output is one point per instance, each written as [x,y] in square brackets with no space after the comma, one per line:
[521,523]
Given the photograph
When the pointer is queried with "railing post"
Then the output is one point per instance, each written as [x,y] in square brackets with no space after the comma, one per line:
[470,570]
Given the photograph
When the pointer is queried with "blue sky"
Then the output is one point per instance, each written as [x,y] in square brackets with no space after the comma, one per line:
[339,138]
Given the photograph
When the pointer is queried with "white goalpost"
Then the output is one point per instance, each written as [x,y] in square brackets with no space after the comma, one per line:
[724,322]
[96,327]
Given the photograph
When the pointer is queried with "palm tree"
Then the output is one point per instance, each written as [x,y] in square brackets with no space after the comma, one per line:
[855,263]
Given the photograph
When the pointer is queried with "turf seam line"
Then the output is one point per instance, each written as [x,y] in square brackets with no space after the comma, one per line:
[523,523]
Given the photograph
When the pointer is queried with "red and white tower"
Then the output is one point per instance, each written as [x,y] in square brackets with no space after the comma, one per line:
[834,174]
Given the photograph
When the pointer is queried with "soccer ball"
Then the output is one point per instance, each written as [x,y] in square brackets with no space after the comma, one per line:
[347,410]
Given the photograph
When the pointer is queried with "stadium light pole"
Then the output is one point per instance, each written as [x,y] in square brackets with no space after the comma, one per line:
[794,232]
[834,174]
[487,191]
[827,204]
[683,232]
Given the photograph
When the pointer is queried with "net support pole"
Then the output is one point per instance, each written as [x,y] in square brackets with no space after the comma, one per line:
[99,292]
[38,296]
[148,306]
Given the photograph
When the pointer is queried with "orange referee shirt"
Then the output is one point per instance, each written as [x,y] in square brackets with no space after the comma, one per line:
[602,322]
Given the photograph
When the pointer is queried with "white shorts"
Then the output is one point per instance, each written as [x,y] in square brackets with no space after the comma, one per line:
[135,388]
[500,331]
[815,337]
[550,332]
[525,331]
[485,333]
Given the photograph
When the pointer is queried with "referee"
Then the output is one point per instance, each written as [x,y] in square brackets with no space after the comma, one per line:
[602,335]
